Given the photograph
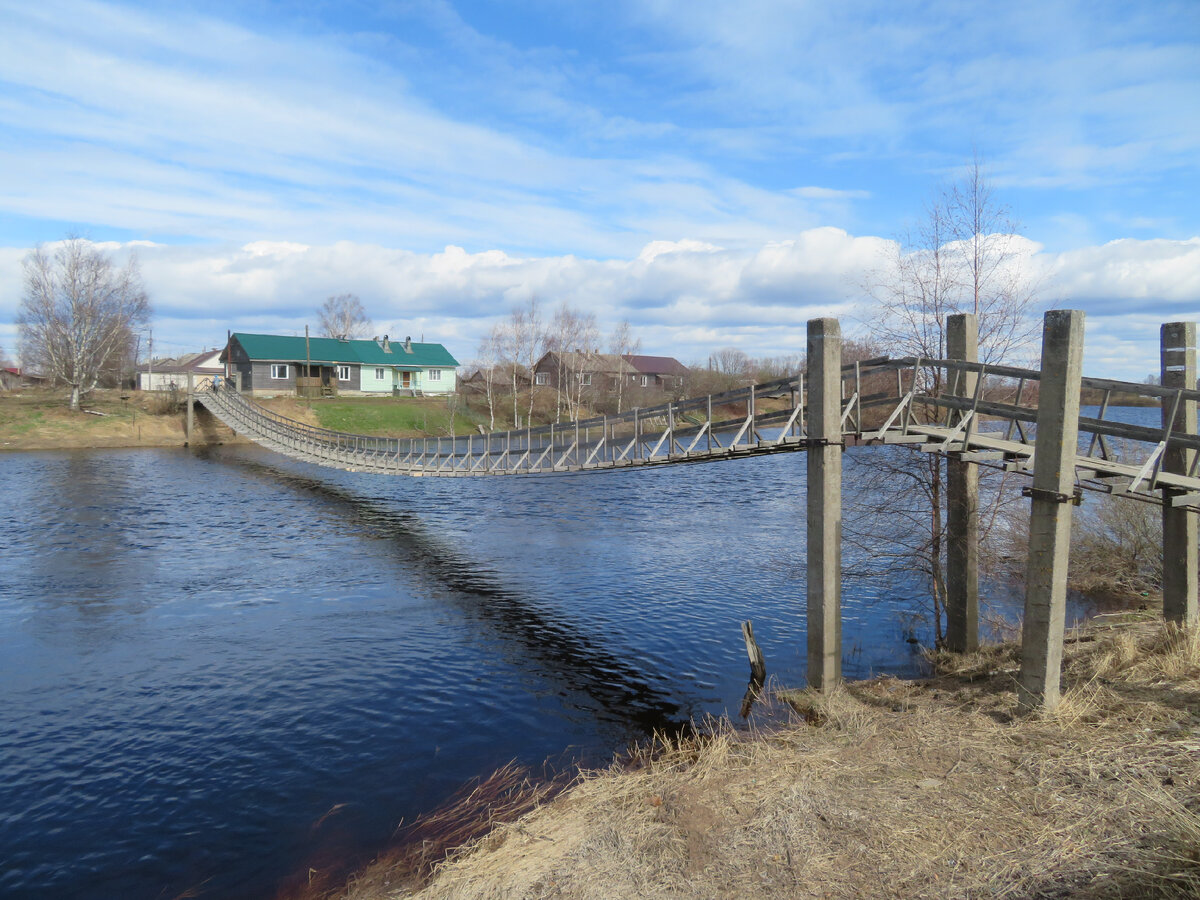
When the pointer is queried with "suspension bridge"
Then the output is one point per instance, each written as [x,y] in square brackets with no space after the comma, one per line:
[1026,421]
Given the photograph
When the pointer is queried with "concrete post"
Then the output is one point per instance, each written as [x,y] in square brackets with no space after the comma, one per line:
[824,503]
[962,504]
[1050,515]
[191,405]
[1179,525]
[237,381]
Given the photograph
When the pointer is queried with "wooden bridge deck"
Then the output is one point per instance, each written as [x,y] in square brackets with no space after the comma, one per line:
[880,406]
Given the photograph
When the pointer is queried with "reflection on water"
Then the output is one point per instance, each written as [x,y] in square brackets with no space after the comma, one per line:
[203,654]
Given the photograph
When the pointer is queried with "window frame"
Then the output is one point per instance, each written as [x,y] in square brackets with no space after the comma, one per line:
[381,373]
[343,369]
[276,368]
[541,379]
[435,374]
[585,379]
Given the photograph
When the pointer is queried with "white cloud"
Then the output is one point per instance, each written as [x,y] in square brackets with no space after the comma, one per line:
[686,297]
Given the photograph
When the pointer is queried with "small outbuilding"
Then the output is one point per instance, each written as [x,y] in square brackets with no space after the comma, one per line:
[172,374]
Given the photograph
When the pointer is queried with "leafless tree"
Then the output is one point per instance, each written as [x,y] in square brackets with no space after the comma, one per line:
[79,314]
[574,336]
[622,343]
[488,358]
[343,316]
[521,338]
[730,361]
[963,256]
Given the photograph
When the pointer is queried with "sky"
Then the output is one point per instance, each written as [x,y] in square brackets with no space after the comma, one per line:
[715,173]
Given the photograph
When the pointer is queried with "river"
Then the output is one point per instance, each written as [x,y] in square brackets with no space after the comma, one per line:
[203,654]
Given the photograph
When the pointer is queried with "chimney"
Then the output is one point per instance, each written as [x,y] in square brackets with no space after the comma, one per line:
[386,344]
[408,344]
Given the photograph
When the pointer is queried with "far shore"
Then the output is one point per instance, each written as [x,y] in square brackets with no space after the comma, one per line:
[39,419]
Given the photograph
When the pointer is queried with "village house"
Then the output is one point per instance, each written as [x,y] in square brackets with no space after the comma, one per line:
[595,373]
[271,364]
[663,372]
[605,380]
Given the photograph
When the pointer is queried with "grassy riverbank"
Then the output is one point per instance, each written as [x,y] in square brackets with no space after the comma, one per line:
[39,419]
[395,417]
[886,788]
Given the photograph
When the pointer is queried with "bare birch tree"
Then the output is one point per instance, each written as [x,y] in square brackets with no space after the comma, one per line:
[964,256]
[488,358]
[78,314]
[521,338]
[622,343]
[343,315]
[575,336]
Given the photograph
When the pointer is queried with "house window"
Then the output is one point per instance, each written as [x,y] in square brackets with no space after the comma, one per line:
[435,374]
[585,378]
[279,370]
[343,373]
[380,373]
[541,378]
[645,380]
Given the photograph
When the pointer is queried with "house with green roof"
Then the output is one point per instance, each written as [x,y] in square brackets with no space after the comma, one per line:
[271,364]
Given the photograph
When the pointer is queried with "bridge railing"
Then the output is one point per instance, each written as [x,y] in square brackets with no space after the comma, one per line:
[878,395]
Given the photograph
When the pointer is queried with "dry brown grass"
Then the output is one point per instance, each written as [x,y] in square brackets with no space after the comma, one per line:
[38,419]
[903,789]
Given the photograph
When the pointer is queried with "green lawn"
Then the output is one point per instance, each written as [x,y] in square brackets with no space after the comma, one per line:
[404,417]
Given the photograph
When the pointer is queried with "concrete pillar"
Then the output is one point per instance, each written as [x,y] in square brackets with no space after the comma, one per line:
[824,503]
[1050,513]
[191,405]
[1179,525]
[962,504]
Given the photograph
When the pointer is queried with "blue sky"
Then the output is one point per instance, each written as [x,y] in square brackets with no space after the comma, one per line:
[717,173]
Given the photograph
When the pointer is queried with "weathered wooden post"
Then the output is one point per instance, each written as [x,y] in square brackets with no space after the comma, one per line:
[191,405]
[824,503]
[1050,510]
[1179,525]
[962,510]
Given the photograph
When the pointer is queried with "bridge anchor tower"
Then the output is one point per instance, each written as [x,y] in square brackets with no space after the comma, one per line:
[1179,525]
[962,501]
[824,503]
[1052,500]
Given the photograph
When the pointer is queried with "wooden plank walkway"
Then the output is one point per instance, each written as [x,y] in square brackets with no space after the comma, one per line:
[880,405]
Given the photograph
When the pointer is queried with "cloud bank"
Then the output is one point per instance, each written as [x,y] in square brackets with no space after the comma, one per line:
[685,298]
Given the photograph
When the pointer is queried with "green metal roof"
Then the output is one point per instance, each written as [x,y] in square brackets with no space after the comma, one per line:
[283,348]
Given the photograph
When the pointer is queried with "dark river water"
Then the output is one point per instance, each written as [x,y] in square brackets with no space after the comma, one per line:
[201,655]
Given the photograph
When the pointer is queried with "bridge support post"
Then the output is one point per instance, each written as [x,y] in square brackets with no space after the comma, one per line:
[1050,510]
[824,503]
[962,509]
[1179,526]
[191,407]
